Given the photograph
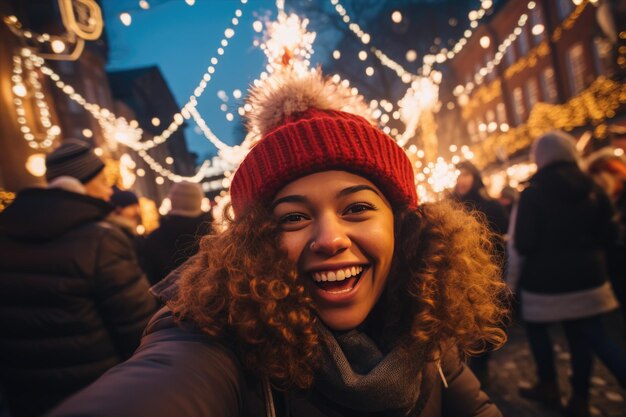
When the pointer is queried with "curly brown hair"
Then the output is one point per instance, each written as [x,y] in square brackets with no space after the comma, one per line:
[445,286]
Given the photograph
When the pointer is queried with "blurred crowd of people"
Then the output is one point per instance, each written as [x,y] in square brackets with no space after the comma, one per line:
[75,274]
[564,260]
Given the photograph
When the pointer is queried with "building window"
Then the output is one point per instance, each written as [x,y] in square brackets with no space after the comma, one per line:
[501,113]
[532,92]
[482,129]
[602,55]
[492,125]
[66,67]
[518,105]
[471,129]
[576,68]
[492,73]
[74,107]
[522,41]
[537,25]
[548,85]
[510,55]
[565,8]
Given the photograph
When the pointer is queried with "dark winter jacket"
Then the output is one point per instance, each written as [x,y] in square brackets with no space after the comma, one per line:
[477,199]
[564,226]
[184,373]
[171,244]
[73,300]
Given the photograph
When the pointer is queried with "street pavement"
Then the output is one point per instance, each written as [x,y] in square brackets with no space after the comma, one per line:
[512,367]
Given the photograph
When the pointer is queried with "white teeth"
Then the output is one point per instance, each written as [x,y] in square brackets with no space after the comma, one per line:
[337,275]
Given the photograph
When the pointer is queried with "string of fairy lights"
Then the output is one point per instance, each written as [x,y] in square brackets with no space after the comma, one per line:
[114,128]
[428,60]
[285,38]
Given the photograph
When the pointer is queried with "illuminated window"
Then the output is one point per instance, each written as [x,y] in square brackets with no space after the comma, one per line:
[602,56]
[471,129]
[518,105]
[576,68]
[482,129]
[488,58]
[565,8]
[532,92]
[522,41]
[501,113]
[510,55]
[548,84]
[536,21]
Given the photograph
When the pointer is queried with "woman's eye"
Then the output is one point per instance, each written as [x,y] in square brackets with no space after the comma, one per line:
[359,208]
[292,218]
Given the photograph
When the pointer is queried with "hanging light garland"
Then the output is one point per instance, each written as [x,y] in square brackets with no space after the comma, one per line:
[429,60]
[20,91]
[600,101]
[463,91]
[118,130]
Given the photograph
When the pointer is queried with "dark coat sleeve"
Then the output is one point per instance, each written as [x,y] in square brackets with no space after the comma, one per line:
[173,373]
[526,223]
[122,291]
[497,217]
[463,397]
[608,225]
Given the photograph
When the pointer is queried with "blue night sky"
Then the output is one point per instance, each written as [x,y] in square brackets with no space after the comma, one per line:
[181,40]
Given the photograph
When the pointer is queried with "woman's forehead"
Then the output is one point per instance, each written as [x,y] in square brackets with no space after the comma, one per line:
[325,182]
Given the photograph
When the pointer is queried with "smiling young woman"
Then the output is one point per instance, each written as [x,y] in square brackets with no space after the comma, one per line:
[331,292]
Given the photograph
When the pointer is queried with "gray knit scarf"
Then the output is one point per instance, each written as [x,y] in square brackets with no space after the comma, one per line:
[356,374]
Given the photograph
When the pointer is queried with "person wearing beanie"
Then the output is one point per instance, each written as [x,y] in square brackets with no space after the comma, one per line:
[179,232]
[332,292]
[563,228]
[74,301]
[74,158]
[127,212]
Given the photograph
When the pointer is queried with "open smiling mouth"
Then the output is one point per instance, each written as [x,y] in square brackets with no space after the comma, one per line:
[338,281]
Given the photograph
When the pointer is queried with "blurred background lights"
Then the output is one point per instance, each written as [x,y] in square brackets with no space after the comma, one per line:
[485,41]
[411,55]
[396,16]
[126,19]
[57,46]
[36,164]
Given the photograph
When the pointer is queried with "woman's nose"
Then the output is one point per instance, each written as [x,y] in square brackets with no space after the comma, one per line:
[330,237]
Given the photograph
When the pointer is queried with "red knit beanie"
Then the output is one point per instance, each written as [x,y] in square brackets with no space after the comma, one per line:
[313,140]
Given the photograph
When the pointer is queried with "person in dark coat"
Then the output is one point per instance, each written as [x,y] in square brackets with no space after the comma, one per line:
[609,171]
[178,235]
[74,301]
[330,293]
[563,228]
[470,191]
[127,211]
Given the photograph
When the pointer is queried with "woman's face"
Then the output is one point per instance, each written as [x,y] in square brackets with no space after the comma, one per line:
[464,182]
[338,228]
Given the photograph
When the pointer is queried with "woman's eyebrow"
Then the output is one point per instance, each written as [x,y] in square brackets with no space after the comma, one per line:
[356,189]
[295,198]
